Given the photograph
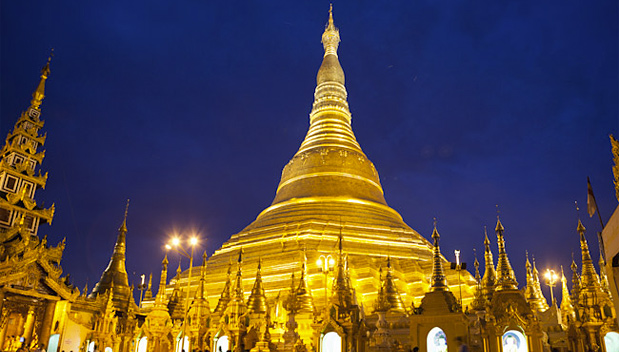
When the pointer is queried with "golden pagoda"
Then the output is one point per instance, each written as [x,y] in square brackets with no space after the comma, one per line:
[327,188]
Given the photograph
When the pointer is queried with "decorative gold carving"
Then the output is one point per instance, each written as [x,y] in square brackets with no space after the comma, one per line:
[615,150]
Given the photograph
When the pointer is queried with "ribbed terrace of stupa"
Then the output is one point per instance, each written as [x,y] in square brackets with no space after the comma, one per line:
[329,186]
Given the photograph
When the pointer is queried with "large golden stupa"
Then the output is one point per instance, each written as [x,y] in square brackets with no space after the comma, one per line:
[328,187]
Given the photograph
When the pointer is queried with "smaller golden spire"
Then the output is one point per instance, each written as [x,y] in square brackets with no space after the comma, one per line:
[575,282]
[480,302]
[39,93]
[225,292]
[506,280]
[567,309]
[489,280]
[160,298]
[438,283]
[257,301]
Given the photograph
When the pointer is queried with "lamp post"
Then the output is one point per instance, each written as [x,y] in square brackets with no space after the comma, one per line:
[175,245]
[551,280]
[326,265]
[458,266]
[142,287]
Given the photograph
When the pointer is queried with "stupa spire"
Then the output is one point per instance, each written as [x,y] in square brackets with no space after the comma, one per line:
[506,280]
[438,283]
[488,282]
[575,282]
[160,298]
[224,298]
[533,292]
[305,301]
[149,289]
[330,162]
[391,291]
[567,309]
[589,277]
[116,271]
[257,301]
[480,302]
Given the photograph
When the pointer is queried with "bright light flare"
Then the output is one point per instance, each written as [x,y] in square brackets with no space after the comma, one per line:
[193,241]
[176,241]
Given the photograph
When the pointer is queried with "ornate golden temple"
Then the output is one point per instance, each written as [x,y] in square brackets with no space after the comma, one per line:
[328,266]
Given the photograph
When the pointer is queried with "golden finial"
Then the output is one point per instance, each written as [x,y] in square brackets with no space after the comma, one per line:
[39,93]
[331,36]
[123,226]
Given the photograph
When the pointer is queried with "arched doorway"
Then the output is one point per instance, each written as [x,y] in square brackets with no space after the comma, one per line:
[142,344]
[437,340]
[331,342]
[222,344]
[611,340]
[514,341]
[108,349]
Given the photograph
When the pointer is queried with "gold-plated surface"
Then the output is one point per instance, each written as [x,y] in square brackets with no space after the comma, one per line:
[330,186]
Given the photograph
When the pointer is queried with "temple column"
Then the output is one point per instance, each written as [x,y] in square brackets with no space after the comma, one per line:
[29,326]
[46,323]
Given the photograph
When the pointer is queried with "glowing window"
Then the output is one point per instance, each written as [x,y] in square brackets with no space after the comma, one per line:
[142,344]
[331,342]
[611,340]
[514,341]
[108,349]
[437,341]
[222,344]
[91,346]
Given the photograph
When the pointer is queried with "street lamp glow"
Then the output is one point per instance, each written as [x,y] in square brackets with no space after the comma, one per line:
[551,280]
[176,241]
[168,247]
[193,241]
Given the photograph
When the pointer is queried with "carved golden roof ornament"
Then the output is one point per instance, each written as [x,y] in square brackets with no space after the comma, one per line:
[39,93]
[615,150]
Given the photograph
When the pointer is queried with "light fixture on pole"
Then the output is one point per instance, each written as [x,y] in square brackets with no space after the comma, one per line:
[551,280]
[175,245]
[459,266]
[142,287]
[326,265]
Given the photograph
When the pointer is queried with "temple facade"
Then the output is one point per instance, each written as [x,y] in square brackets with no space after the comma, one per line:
[327,267]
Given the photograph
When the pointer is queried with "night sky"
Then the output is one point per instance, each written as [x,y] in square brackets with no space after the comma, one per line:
[192,108]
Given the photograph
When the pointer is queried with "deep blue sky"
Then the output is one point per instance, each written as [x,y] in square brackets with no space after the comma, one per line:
[192,108]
